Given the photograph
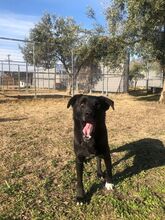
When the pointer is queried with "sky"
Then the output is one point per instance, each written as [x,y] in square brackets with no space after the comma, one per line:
[17,17]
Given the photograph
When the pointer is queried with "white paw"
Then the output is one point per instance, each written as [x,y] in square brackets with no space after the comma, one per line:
[79,203]
[109,186]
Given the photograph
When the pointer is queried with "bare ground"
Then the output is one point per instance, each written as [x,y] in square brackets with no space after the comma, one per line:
[37,173]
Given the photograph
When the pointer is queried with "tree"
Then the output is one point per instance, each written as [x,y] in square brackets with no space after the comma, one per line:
[40,42]
[140,25]
[111,49]
[135,71]
[61,39]
[53,37]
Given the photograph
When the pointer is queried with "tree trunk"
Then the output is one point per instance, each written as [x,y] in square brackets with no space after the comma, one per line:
[162,97]
[69,86]
[135,84]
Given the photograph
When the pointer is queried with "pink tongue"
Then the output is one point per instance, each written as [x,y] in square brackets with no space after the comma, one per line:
[87,130]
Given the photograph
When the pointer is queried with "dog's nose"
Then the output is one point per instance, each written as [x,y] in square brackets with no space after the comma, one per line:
[88,113]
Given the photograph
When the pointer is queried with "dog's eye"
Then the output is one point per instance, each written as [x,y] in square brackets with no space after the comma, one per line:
[97,105]
[82,105]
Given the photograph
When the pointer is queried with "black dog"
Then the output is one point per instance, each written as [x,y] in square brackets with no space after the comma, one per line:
[90,136]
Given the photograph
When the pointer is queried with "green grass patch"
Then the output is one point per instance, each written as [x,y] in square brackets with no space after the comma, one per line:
[38,177]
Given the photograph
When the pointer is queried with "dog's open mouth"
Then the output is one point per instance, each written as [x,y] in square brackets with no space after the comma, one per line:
[87,131]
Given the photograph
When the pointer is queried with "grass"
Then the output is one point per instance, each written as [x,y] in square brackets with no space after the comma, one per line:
[37,170]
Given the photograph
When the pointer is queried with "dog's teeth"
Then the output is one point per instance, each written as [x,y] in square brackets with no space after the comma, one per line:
[109,186]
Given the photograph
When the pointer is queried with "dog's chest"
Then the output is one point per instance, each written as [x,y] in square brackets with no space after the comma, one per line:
[89,148]
[86,148]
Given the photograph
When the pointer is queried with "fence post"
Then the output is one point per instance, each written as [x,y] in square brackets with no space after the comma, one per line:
[43,79]
[107,85]
[48,79]
[55,76]
[2,75]
[35,89]
[1,79]
[19,77]
[38,78]
[27,80]
[72,57]
[103,80]
[147,80]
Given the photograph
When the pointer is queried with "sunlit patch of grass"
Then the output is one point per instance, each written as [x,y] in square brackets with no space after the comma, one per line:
[38,178]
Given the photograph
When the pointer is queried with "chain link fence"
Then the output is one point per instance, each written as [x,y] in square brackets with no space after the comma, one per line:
[17,77]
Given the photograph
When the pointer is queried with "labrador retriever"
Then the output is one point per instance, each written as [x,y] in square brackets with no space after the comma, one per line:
[90,137]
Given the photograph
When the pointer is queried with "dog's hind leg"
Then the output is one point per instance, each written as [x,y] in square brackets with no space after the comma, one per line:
[99,170]
[80,188]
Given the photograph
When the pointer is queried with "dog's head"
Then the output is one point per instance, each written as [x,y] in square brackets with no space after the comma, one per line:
[89,110]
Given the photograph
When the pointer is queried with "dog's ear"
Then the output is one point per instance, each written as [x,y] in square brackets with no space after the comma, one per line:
[106,103]
[73,100]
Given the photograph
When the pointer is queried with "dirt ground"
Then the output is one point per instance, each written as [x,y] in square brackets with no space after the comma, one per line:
[36,147]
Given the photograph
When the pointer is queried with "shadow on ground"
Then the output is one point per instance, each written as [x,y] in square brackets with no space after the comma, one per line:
[94,188]
[142,95]
[12,119]
[148,153]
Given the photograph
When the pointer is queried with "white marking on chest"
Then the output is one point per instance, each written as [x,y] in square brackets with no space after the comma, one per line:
[109,186]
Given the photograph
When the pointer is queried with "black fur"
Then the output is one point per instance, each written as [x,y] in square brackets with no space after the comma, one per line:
[90,109]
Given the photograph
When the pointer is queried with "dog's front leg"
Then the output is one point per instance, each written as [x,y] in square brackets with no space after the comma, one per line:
[80,187]
[99,171]
[108,164]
